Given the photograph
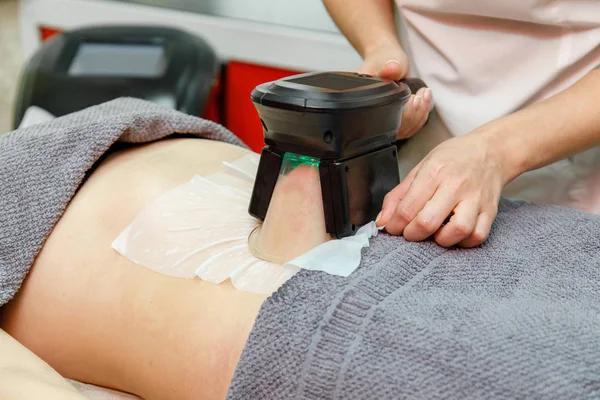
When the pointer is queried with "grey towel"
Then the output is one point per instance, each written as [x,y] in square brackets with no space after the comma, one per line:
[41,168]
[517,318]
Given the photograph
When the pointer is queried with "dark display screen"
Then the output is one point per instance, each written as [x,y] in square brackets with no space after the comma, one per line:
[119,60]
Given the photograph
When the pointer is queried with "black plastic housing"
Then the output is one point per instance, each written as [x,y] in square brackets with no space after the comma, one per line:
[264,184]
[190,73]
[347,120]
[345,115]
[353,190]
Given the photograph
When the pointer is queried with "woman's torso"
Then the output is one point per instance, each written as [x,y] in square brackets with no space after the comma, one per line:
[88,311]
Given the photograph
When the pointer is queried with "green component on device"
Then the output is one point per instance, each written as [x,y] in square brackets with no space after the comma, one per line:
[291,161]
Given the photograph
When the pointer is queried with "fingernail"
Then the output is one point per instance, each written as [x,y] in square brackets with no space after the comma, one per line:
[391,61]
[427,94]
[416,102]
[431,100]
[378,216]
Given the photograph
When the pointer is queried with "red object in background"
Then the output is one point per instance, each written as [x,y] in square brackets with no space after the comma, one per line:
[241,117]
[212,110]
[46,33]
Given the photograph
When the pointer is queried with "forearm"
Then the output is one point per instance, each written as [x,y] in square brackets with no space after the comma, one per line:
[551,130]
[367,24]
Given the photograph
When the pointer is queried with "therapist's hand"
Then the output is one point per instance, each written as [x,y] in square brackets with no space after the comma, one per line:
[391,62]
[462,177]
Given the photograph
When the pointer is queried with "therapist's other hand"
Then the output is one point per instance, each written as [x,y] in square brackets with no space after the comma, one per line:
[463,178]
[391,62]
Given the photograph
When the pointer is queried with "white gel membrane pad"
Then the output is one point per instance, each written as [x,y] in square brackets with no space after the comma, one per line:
[337,257]
[201,228]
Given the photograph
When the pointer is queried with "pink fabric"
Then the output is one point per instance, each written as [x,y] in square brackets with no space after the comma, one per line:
[484,59]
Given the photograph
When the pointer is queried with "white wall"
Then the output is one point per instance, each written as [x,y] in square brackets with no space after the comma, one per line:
[10,61]
[308,14]
[268,34]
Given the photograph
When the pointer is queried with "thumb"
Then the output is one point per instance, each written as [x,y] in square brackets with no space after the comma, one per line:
[369,68]
[393,70]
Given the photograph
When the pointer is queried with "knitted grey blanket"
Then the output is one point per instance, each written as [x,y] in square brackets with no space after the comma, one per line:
[517,318]
[42,166]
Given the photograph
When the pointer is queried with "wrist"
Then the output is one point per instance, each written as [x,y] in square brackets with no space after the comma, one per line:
[507,147]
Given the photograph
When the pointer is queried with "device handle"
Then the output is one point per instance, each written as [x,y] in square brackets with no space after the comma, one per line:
[414,84]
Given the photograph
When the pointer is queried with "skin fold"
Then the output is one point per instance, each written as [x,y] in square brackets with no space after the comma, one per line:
[297,196]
